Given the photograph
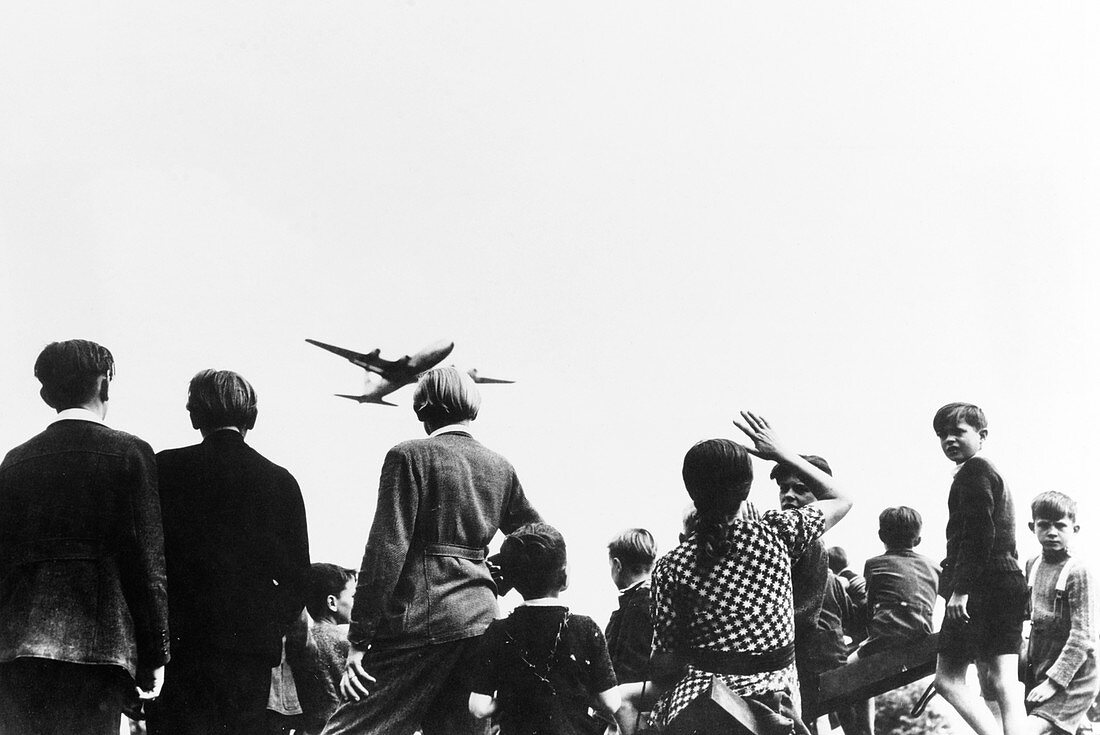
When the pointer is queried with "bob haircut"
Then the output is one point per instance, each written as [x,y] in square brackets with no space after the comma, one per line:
[325,580]
[958,413]
[218,398]
[446,395]
[782,471]
[70,371]
[900,527]
[635,549]
[532,559]
[1053,506]
[715,472]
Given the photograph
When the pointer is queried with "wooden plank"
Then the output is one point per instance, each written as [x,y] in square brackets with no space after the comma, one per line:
[718,710]
[881,672]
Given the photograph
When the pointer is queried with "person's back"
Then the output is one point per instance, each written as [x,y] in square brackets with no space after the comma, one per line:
[541,667]
[238,559]
[630,630]
[82,588]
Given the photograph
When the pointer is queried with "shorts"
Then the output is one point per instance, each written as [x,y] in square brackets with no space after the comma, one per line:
[997,608]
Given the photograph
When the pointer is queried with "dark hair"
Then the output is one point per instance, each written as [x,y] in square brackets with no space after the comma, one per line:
[717,474]
[635,549]
[446,395]
[958,413]
[532,558]
[838,558]
[899,528]
[70,371]
[217,398]
[1053,506]
[325,580]
[782,471]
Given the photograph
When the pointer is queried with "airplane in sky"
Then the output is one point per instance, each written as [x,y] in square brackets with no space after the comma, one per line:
[386,376]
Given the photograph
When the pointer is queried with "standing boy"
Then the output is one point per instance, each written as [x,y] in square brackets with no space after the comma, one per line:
[1061,677]
[630,631]
[985,590]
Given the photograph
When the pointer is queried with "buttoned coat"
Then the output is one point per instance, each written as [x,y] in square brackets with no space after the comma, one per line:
[81,552]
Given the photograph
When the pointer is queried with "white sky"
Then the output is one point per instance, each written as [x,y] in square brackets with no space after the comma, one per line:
[649,214]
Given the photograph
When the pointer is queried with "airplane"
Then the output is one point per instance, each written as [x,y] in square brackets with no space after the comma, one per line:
[385,376]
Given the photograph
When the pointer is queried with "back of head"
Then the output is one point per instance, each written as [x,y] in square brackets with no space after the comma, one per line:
[783,471]
[325,580]
[532,559]
[954,414]
[70,371]
[718,475]
[838,559]
[900,527]
[218,398]
[1053,506]
[635,549]
[446,395]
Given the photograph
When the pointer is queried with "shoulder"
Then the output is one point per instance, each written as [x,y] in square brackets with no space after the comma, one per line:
[1079,574]
[979,466]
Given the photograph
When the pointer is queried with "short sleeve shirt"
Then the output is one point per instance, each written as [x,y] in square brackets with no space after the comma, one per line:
[742,603]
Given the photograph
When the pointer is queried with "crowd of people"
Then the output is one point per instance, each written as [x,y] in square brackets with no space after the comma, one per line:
[177,587]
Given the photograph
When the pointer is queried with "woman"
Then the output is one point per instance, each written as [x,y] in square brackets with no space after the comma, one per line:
[722,598]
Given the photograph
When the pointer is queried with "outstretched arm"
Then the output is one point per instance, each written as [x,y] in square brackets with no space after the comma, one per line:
[832,504]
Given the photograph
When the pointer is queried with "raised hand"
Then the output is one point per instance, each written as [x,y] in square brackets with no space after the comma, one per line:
[766,444]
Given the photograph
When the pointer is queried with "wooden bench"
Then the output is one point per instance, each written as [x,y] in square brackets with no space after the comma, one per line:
[875,674]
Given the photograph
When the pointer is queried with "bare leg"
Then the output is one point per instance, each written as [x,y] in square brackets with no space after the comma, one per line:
[1038,726]
[951,684]
[999,675]
[857,718]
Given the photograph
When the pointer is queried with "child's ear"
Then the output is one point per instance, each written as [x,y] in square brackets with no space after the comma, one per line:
[916,542]
[1031,526]
[330,601]
[564,578]
[983,434]
[1076,528]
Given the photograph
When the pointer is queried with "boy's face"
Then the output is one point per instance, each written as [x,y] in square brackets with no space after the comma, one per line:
[1054,535]
[344,602]
[794,493]
[961,441]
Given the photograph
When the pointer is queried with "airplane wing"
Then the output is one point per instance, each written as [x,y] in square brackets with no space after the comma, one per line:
[368,361]
[366,399]
[479,378]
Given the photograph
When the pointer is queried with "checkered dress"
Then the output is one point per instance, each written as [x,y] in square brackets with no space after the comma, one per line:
[742,603]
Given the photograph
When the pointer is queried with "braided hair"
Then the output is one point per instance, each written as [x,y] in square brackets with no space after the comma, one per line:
[717,474]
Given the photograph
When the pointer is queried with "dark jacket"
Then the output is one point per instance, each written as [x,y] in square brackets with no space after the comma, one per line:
[630,633]
[981,527]
[81,550]
[423,578]
[901,594]
[236,547]
[809,573]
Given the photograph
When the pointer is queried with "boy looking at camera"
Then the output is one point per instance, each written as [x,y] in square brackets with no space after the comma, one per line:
[985,590]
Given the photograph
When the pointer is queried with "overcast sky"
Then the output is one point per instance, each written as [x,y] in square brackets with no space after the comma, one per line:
[650,215]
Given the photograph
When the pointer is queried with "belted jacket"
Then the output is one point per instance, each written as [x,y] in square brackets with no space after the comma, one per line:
[424,579]
[81,549]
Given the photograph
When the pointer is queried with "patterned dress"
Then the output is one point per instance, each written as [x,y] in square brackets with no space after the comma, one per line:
[742,603]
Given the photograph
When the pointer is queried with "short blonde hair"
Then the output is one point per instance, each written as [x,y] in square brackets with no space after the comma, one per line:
[447,395]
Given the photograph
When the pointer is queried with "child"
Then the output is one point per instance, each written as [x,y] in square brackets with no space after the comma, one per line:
[1061,677]
[320,666]
[985,590]
[630,631]
[901,593]
[541,667]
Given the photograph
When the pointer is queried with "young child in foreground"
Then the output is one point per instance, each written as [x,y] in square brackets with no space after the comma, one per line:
[985,590]
[901,593]
[1061,677]
[542,667]
[320,666]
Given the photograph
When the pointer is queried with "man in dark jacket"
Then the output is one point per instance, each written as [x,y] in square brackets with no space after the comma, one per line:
[238,565]
[82,589]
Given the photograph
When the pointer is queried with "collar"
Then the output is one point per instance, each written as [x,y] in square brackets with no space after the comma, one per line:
[960,466]
[544,602]
[78,414]
[643,582]
[452,429]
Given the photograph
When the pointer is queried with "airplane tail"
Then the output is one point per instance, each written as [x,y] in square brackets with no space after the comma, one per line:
[479,378]
[365,399]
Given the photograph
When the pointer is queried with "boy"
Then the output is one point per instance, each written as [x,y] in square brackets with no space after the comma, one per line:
[541,667]
[1061,677]
[331,594]
[981,581]
[901,593]
[630,630]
